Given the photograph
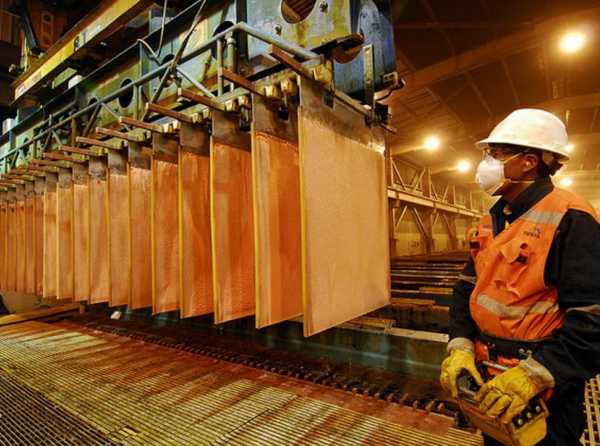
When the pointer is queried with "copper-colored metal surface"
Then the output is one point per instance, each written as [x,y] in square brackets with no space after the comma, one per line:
[232,232]
[119,238]
[50,241]
[195,250]
[81,241]
[165,234]
[99,267]
[344,213]
[11,246]
[21,254]
[38,266]
[30,244]
[3,247]
[64,217]
[141,241]
[277,228]
[136,393]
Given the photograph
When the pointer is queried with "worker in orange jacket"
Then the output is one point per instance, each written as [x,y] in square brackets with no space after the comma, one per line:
[529,297]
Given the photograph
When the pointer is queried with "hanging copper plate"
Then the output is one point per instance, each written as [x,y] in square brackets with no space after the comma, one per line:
[30,244]
[50,241]
[39,239]
[231,220]
[119,238]
[165,235]
[64,216]
[3,231]
[196,267]
[11,267]
[276,185]
[20,258]
[344,213]
[81,281]
[99,268]
[141,241]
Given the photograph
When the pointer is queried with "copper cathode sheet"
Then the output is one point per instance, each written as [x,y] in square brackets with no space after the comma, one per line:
[81,242]
[50,242]
[141,241]
[165,234]
[119,238]
[3,235]
[11,268]
[196,267]
[344,213]
[99,268]
[30,244]
[21,254]
[232,232]
[64,216]
[39,244]
[277,213]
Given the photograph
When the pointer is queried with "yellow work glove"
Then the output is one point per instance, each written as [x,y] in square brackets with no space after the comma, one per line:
[454,365]
[509,393]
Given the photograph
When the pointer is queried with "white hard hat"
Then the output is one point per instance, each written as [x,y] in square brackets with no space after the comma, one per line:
[531,127]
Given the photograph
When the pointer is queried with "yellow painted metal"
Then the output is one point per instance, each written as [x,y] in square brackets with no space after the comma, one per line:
[109,15]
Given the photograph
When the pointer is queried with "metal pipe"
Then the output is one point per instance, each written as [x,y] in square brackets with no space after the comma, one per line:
[56,137]
[289,47]
[92,119]
[173,63]
[231,56]
[113,113]
[199,85]
[219,66]
[158,91]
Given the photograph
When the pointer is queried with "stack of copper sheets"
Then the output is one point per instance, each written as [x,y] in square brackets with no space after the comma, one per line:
[286,220]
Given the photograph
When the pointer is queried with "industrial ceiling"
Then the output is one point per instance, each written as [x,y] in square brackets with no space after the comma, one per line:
[468,64]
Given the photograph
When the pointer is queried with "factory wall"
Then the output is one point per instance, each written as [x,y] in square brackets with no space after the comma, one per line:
[408,238]
[441,238]
[463,225]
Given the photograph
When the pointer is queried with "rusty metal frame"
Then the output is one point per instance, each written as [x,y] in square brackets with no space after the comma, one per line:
[428,201]
[278,45]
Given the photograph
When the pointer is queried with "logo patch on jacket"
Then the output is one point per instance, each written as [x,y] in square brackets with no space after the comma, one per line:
[533,232]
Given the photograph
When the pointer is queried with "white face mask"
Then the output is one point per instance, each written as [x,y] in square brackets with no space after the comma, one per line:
[490,173]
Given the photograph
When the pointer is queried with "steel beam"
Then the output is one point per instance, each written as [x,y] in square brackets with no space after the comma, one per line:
[416,199]
[511,84]
[571,102]
[110,15]
[492,51]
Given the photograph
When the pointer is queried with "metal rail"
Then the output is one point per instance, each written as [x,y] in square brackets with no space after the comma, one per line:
[340,377]
[243,27]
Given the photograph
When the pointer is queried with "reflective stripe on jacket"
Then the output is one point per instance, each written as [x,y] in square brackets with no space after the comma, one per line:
[510,299]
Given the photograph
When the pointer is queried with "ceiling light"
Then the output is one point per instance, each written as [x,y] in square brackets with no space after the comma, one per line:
[570,147]
[463,166]
[572,42]
[565,182]
[432,143]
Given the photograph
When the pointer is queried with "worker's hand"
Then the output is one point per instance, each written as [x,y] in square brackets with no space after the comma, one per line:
[509,393]
[459,361]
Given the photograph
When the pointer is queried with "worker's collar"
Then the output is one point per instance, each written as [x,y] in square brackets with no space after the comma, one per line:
[503,212]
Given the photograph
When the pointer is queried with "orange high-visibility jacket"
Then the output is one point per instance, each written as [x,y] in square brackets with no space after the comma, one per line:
[510,299]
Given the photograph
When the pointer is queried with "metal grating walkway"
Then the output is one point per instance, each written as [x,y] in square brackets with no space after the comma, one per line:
[122,391]
[591,436]
[28,418]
